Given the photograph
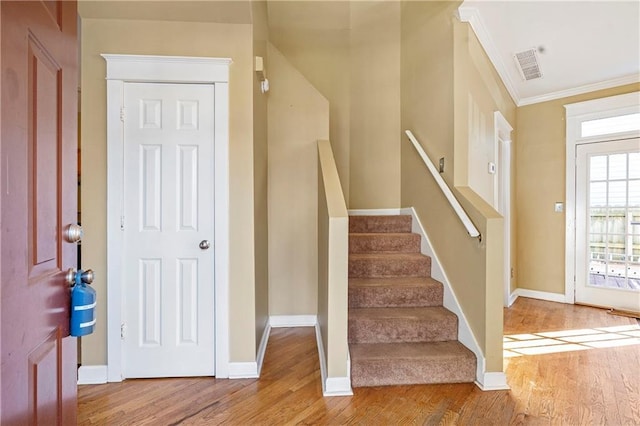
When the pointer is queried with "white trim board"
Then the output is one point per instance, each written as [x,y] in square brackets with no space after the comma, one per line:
[492,382]
[121,68]
[472,16]
[375,212]
[243,370]
[332,386]
[587,88]
[512,298]
[502,191]
[92,374]
[262,349]
[276,321]
[540,295]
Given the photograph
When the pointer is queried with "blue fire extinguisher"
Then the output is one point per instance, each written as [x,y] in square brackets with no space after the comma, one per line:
[83,304]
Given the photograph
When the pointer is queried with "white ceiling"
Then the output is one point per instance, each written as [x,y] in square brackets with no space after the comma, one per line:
[582,45]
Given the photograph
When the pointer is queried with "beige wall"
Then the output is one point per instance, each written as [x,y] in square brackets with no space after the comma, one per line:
[479,92]
[260,173]
[441,71]
[181,39]
[314,37]
[374,166]
[350,52]
[541,167]
[298,117]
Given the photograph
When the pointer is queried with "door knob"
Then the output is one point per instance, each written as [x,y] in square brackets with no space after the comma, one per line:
[87,276]
[73,233]
[205,244]
[74,277]
[70,277]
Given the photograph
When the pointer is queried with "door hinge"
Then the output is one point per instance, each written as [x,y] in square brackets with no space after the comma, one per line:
[122,114]
[123,331]
[122,223]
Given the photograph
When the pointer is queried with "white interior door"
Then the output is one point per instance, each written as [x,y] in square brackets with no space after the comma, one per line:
[168,305]
[608,224]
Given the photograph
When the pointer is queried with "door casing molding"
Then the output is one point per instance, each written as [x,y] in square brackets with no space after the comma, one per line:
[166,69]
[576,114]
[502,193]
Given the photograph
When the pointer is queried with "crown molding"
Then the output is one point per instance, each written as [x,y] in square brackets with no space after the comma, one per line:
[472,16]
[607,84]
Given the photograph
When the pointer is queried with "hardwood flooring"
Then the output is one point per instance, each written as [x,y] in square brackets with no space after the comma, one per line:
[591,386]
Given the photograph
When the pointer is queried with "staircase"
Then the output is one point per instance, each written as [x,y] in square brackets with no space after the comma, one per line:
[399,332]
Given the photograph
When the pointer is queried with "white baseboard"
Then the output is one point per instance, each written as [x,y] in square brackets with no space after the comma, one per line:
[337,386]
[542,295]
[293,320]
[92,374]
[332,386]
[374,212]
[492,381]
[243,370]
[512,298]
[263,347]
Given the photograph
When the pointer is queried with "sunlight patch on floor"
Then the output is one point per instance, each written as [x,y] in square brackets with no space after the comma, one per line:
[548,342]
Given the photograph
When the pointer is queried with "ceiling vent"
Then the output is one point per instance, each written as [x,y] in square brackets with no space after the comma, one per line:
[527,63]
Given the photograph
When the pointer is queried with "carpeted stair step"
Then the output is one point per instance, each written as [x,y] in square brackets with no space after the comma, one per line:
[384,242]
[378,265]
[398,331]
[389,325]
[368,224]
[381,364]
[394,292]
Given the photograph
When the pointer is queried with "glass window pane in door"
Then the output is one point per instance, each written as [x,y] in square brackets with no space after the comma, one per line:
[634,193]
[617,166]
[617,194]
[598,168]
[598,194]
[634,165]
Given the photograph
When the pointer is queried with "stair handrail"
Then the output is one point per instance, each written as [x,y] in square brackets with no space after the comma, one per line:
[462,215]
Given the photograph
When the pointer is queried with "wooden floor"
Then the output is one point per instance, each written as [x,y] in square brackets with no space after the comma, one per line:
[593,386]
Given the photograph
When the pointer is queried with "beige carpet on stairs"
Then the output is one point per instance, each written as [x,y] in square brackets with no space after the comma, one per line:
[399,332]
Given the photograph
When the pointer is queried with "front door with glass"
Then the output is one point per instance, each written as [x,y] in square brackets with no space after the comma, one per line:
[608,224]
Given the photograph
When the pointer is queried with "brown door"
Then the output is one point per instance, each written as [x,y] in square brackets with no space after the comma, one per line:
[38,187]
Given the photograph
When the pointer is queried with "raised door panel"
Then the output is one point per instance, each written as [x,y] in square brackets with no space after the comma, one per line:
[43,159]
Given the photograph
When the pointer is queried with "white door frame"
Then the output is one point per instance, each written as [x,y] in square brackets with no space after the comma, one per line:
[166,69]
[576,114]
[502,131]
